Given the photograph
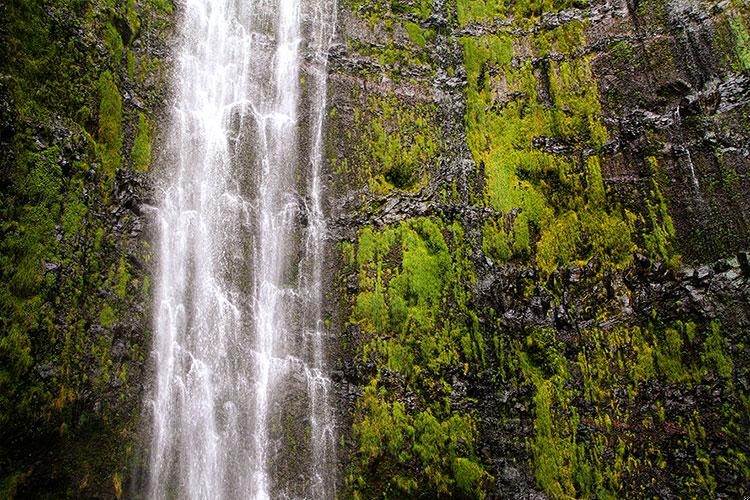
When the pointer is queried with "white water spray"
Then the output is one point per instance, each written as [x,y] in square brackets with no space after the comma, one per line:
[239,341]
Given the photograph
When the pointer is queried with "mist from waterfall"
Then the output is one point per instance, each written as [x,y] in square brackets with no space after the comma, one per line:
[240,406]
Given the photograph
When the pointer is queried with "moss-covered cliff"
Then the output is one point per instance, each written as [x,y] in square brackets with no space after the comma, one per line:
[538,223]
[552,297]
[80,86]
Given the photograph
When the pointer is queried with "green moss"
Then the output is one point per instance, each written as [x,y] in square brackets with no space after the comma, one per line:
[559,243]
[164,6]
[391,57]
[38,187]
[742,41]
[114,44]
[524,11]
[668,355]
[416,324]
[558,201]
[131,63]
[401,309]
[417,453]
[131,14]
[140,155]
[74,213]
[123,279]
[714,354]
[658,241]
[9,484]
[393,145]
[386,11]
[495,241]
[110,124]
[107,316]
[415,34]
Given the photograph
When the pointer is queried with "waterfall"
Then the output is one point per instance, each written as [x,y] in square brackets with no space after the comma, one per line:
[240,406]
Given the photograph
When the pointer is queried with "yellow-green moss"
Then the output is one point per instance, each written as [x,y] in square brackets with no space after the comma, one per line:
[658,241]
[742,41]
[558,199]
[394,145]
[416,324]
[110,124]
[114,44]
[140,154]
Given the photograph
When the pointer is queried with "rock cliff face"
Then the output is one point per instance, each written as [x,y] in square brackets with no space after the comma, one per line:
[539,223]
[537,217]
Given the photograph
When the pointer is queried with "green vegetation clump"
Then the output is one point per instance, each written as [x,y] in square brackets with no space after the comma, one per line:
[394,145]
[388,10]
[658,240]
[523,12]
[557,200]
[742,41]
[110,124]
[416,326]
[416,454]
[140,155]
[416,34]
[114,44]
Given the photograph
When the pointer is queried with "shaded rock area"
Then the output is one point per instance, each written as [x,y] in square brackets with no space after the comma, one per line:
[81,87]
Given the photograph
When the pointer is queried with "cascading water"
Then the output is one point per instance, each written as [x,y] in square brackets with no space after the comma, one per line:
[241,401]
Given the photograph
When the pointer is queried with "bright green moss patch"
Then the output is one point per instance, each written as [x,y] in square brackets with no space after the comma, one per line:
[714,356]
[114,44]
[110,124]
[395,144]
[496,243]
[131,14]
[402,310]
[559,243]
[479,10]
[658,241]
[386,11]
[415,34]
[74,213]
[393,58]
[416,325]
[524,12]
[163,6]
[558,200]
[742,41]
[414,453]
[30,221]
[140,155]
[123,279]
